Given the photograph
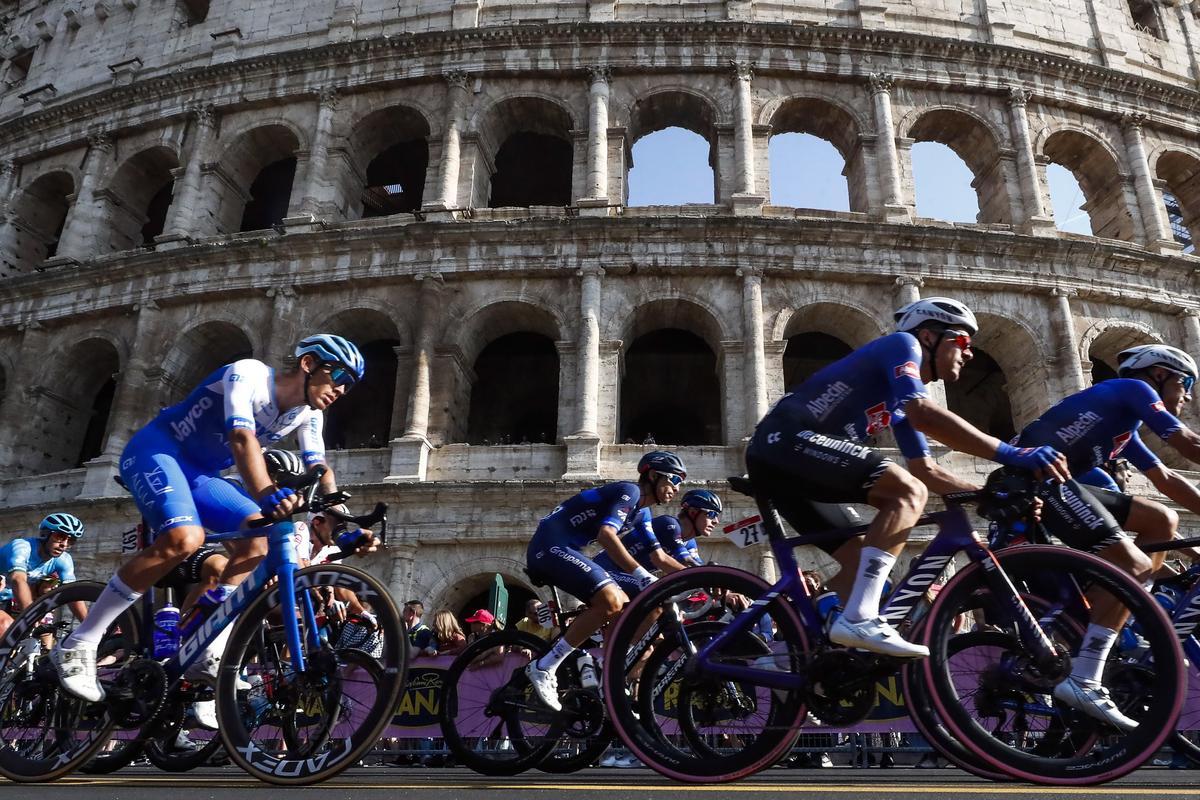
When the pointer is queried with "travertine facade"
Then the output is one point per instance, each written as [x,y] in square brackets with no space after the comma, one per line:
[446,183]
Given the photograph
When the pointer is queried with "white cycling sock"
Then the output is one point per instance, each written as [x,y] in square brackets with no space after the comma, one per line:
[558,654]
[1088,666]
[874,566]
[111,604]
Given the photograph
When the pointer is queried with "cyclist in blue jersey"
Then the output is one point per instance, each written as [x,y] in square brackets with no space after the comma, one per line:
[556,555]
[172,467]
[811,446]
[1091,428]
[33,563]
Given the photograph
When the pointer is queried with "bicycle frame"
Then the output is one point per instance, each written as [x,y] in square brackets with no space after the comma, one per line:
[955,535]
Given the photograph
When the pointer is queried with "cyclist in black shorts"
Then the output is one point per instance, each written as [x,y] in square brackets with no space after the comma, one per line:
[811,447]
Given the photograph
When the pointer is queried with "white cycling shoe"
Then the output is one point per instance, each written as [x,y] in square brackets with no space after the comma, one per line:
[204,670]
[545,685]
[875,635]
[76,669]
[1093,699]
[205,712]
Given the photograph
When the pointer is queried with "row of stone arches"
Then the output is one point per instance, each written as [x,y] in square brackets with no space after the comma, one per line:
[671,377]
[523,151]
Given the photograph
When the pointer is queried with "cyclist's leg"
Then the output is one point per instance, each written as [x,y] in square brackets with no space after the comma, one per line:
[1150,521]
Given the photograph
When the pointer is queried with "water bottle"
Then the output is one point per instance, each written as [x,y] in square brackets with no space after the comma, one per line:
[827,605]
[588,678]
[166,630]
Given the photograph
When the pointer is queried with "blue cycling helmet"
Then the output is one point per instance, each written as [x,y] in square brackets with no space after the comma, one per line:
[663,462]
[702,499]
[331,348]
[61,522]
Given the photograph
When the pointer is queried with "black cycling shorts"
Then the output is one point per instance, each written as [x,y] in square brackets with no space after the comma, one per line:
[1084,517]
[188,572]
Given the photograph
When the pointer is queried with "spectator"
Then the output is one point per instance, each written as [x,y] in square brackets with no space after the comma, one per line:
[482,623]
[450,636]
[420,636]
[530,624]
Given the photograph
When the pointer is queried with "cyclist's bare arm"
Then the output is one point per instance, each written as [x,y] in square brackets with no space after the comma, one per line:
[665,562]
[938,479]
[1187,443]
[22,593]
[1182,491]
[611,542]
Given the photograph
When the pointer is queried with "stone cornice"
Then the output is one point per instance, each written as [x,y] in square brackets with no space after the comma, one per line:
[912,59]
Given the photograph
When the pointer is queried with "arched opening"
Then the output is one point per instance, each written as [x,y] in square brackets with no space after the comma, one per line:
[97,422]
[199,352]
[261,166]
[1099,179]
[508,411]
[670,392]
[1181,174]
[67,422]
[1102,371]
[806,353]
[393,143]
[533,155]
[1067,201]
[363,417]
[38,216]
[980,396]
[1104,349]
[973,167]
[139,197]
[673,154]
[472,595]
[816,161]
[270,195]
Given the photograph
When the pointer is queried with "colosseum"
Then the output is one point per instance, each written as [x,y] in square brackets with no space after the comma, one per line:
[446,182]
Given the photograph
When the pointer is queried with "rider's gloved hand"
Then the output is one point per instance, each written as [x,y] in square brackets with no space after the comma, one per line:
[1044,461]
[644,577]
[271,503]
[359,540]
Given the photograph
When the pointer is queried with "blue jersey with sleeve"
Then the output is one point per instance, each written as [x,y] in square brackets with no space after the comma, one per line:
[669,533]
[638,537]
[693,553]
[1101,423]
[25,555]
[237,395]
[578,520]
[864,393]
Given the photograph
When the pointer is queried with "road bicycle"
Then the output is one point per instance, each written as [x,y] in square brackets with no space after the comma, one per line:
[712,706]
[292,709]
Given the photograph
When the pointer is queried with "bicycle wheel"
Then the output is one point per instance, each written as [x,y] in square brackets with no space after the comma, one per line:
[687,723]
[490,719]
[45,732]
[586,732]
[182,744]
[293,728]
[999,702]
[571,755]
[1186,740]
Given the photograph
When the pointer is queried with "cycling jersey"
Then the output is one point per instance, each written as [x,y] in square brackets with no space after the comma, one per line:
[662,533]
[25,555]
[1101,423]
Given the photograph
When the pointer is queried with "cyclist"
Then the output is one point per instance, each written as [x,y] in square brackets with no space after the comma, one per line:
[1092,427]
[555,553]
[172,467]
[33,564]
[810,447]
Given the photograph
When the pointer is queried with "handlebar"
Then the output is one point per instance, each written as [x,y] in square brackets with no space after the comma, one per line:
[306,485]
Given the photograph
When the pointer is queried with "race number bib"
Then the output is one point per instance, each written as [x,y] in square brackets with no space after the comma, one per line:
[747,532]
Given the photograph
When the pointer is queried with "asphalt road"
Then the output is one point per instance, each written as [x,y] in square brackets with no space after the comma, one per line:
[377,783]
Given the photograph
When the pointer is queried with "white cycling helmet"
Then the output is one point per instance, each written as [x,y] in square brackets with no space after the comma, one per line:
[949,312]
[1156,355]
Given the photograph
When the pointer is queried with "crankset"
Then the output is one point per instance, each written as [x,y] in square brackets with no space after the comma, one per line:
[583,713]
[138,694]
[841,685]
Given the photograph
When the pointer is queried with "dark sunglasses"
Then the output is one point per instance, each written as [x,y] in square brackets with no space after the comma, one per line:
[339,375]
[710,514]
[961,340]
[1188,382]
[674,480]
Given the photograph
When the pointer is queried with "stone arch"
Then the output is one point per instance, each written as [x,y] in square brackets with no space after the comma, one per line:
[836,124]
[1106,338]
[464,579]
[201,349]
[364,417]
[389,148]
[67,421]
[527,149]
[676,106]
[1014,347]
[843,317]
[1179,172]
[498,340]
[1097,169]
[977,143]
[258,170]
[138,196]
[671,308]
[36,219]
[817,334]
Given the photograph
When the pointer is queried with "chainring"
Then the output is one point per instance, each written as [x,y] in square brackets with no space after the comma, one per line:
[583,712]
[138,694]
[841,687]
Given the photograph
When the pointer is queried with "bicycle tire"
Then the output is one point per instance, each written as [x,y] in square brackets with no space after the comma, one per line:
[172,759]
[32,755]
[1186,740]
[760,739]
[573,755]
[481,706]
[346,698]
[1154,704]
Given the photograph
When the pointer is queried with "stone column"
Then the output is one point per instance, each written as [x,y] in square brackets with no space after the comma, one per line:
[1150,203]
[314,198]
[456,104]
[597,137]
[1190,317]
[24,377]
[8,181]
[755,351]
[885,147]
[410,453]
[400,575]
[1034,204]
[583,447]
[1067,352]
[908,290]
[181,216]
[282,336]
[745,198]
[84,220]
